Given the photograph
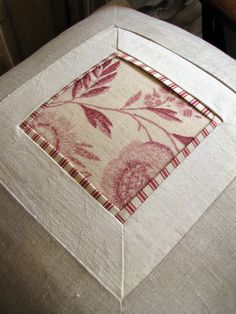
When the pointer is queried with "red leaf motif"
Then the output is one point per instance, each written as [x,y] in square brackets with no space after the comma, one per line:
[85,145]
[85,153]
[76,161]
[98,119]
[133,99]
[95,91]
[166,114]
[113,67]
[105,79]
[187,113]
[105,64]
[76,88]
[183,139]
[97,71]
[86,80]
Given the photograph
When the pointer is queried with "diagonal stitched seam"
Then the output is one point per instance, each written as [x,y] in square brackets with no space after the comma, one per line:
[58,241]
[178,54]
[51,64]
[180,240]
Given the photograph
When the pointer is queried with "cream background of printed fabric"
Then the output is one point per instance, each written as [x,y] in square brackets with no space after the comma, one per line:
[130,88]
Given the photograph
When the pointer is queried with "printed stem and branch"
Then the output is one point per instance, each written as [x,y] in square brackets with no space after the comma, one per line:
[92,84]
[136,117]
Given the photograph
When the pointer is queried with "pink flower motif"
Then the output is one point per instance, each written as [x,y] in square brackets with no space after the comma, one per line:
[42,124]
[171,98]
[180,103]
[165,90]
[135,166]
[152,100]
[186,112]
[184,109]
[58,132]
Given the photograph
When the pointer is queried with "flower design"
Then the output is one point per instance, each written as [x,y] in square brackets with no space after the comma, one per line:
[166,94]
[153,99]
[143,121]
[165,89]
[184,109]
[135,166]
[187,112]
[180,103]
[58,132]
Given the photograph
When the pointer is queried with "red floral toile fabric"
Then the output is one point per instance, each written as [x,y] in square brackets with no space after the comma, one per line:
[133,168]
[119,126]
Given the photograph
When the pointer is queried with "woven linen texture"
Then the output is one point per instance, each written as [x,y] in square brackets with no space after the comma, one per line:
[117,127]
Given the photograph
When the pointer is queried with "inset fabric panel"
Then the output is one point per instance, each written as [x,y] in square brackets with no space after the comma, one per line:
[117,127]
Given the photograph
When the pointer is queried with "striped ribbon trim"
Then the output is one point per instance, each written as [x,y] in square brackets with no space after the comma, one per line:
[123,214]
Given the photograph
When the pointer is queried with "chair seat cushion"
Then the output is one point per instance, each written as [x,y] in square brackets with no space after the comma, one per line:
[122,149]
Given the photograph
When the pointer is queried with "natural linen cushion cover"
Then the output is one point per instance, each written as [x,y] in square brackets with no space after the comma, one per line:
[120,152]
[145,136]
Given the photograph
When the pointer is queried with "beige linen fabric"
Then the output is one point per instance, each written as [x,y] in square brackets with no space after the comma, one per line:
[67,218]
[176,253]
[38,275]
[117,121]
[199,274]
[182,43]
[177,204]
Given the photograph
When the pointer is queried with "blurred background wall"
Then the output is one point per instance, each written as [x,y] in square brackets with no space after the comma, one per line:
[26,25]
